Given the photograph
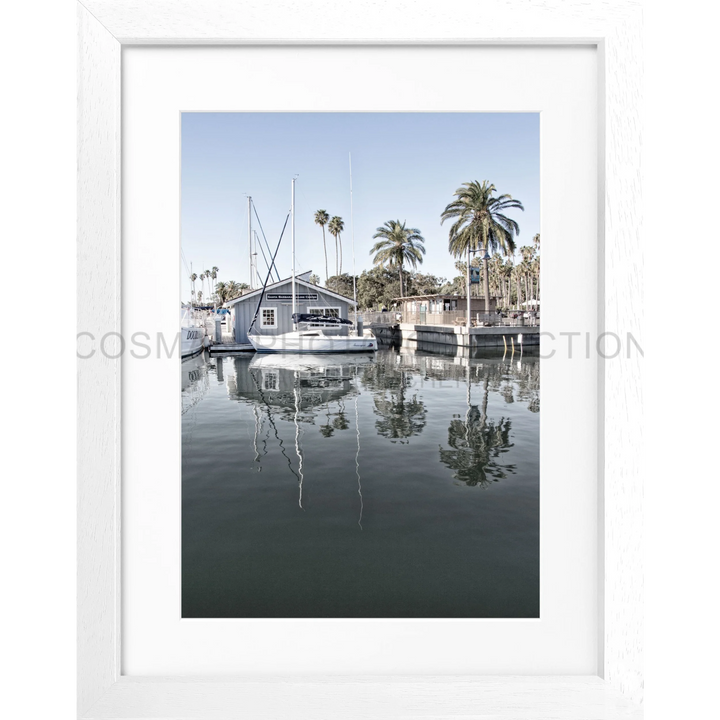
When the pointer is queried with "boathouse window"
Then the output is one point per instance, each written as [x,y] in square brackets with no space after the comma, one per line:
[324,311]
[268,317]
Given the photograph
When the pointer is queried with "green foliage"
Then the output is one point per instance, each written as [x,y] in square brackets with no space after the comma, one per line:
[377,288]
[480,220]
[229,290]
[454,287]
[398,246]
[420,284]
[341,284]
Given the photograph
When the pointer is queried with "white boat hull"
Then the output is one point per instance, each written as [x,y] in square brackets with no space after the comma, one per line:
[192,341]
[306,362]
[312,342]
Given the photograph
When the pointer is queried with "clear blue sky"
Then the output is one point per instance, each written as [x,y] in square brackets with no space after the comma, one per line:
[405,166]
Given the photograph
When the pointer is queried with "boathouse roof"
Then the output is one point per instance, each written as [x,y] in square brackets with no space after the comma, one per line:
[299,281]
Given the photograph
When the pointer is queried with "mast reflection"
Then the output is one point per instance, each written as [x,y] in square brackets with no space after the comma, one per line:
[298,389]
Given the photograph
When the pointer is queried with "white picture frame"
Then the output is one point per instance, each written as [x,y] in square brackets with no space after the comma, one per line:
[104,27]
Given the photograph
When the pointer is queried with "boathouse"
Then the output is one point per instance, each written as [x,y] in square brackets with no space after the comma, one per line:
[275,311]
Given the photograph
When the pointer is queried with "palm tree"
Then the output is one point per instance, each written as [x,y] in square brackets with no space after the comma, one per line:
[535,269]
[335,227]
[480,222]
[214,275]
[496,285]
[232,289]
[527,253]
[507,271]
[322,219]
[193,278]
[399,245]
[517,270]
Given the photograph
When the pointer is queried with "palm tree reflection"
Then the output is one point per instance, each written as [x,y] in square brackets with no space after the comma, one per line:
[402,414]
[477,444]
[400,417]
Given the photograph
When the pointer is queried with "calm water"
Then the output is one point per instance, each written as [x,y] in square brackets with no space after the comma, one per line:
[403,484]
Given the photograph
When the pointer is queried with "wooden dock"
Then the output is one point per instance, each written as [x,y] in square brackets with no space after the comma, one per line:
[230,348]
[499,336]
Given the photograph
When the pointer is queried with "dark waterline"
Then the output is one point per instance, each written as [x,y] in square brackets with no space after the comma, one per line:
[400,485]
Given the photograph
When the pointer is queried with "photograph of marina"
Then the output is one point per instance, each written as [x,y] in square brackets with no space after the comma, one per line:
[360,375]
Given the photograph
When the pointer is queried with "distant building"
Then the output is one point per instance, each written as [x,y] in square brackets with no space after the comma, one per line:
[275,312]
[430,308]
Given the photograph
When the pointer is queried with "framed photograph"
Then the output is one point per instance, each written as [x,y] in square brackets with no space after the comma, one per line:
[333,487]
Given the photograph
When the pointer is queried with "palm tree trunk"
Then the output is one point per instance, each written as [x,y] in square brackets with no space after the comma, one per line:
[527,292]
[336,255]
[486,278]
[467,283]
[402,290]
[325,251]
[533,288]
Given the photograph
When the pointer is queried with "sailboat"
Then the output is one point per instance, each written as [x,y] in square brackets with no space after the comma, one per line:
[312,333]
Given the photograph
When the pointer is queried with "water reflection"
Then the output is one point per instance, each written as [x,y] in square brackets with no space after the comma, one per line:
[477,442]
[296,386]
[402,414]
[324,390]
[343,486]
[299,389]
[194,381]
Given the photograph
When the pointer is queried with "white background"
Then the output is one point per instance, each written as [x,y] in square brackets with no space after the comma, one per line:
[157,84]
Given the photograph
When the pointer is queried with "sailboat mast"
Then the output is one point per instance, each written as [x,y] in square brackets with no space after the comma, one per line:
[292,235]
[250,245]
[352,239]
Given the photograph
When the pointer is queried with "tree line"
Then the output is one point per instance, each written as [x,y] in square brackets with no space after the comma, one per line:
[480,224]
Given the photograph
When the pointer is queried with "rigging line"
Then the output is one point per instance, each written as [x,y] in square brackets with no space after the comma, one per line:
[262,294]
[267,265]
[252,202]
[259,277]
